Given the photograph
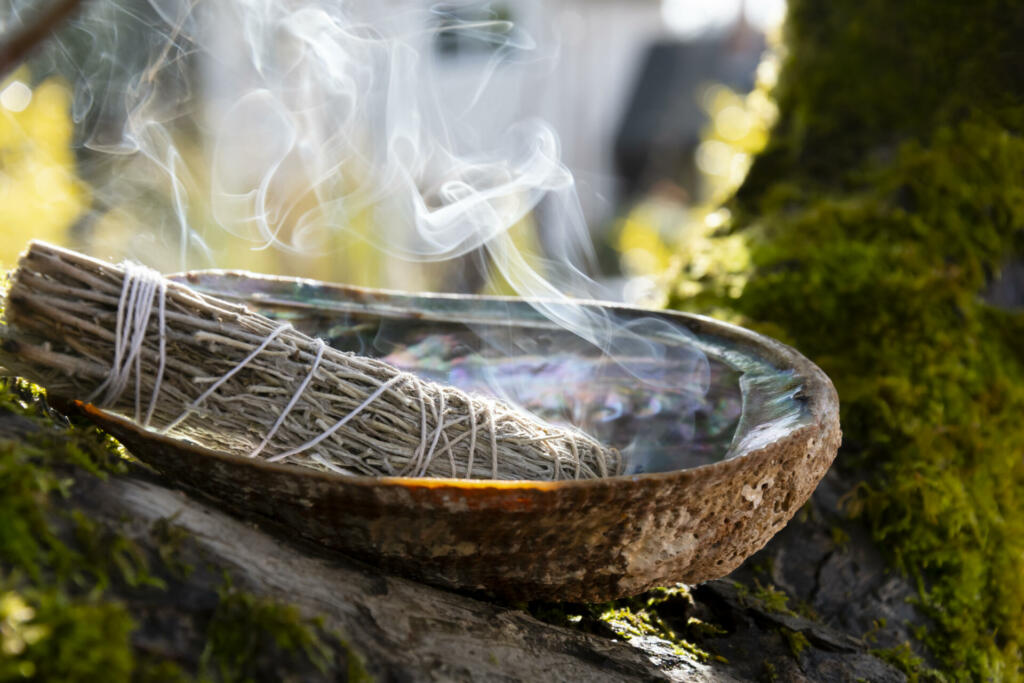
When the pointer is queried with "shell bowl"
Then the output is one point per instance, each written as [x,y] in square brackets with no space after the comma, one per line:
[579,540]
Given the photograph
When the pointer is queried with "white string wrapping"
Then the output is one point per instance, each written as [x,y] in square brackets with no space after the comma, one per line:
[133,313]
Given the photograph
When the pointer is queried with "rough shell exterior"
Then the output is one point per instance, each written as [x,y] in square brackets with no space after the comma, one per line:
[587,540]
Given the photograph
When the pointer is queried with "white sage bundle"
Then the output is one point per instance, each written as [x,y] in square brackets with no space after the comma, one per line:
[196,367]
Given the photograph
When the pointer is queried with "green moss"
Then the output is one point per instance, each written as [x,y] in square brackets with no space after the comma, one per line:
[104,552]
[29,475]
[663,613]
[635,621]
[888,196]
[771,598]
[55,622]
[767,598]
[60,615]
[860,78]
[169,539]
[251,637]
[840,537]
[876,627]
[796,641]
[49,635]
[904,659]
[702,629]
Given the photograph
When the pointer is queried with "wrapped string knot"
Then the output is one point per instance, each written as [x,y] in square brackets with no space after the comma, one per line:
[216,373]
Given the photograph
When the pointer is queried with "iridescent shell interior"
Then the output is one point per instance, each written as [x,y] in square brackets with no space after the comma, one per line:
[680,398]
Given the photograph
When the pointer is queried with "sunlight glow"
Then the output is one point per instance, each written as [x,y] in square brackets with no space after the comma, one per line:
[16,97]
[690,18]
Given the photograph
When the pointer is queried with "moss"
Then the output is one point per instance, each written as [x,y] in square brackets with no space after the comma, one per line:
[57,623]
[860,78]
[796,641]
[904,659]
[103,552]
[29,475]
[840,537]
[49,635]
[768,598]
[771,598]
[702,629]
[885,201]
[663,613]
[64,575]
[255,638]
[169,539]
[630,621]
[871,636]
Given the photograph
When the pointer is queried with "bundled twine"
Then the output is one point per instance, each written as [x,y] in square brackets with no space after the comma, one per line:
[194,366]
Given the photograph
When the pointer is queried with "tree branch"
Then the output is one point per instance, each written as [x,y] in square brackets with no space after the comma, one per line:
[14,49]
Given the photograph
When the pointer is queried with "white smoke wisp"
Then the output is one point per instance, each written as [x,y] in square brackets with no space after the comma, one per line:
[345,109]
[317,126]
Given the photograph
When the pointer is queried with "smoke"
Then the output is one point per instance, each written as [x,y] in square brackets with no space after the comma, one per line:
[325,137]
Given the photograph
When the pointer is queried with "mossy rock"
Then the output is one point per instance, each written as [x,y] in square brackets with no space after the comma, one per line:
[888,198]
[80,600]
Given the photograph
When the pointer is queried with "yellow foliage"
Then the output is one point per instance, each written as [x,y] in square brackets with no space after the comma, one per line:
[40,194]
[686,247]
[643,250]
[16,630]
[738,130]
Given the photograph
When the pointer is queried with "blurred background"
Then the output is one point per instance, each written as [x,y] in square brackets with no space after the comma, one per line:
[657,106]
